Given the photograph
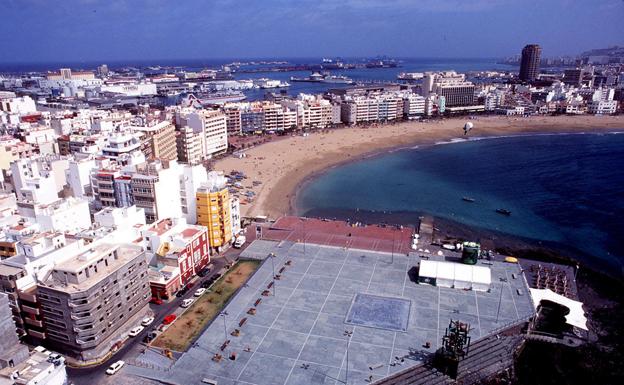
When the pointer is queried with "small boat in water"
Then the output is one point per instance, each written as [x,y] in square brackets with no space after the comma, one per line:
[503,212]
[468,199]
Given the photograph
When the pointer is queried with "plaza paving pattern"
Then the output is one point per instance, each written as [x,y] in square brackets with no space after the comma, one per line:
[298,335]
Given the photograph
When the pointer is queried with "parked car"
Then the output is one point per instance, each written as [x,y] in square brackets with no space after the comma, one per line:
[181,292]
[189,285]
[156,301]
[169,319]
[114,368]
[187,302]
[199,292]
[147,320]
[135,331]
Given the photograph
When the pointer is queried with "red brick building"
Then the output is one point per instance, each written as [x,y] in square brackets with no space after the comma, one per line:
[178,252]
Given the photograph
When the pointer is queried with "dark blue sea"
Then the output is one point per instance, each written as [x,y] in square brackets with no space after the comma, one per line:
[563,189]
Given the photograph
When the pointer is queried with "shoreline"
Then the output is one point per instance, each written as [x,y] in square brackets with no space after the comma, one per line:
[295,210]
[285,166]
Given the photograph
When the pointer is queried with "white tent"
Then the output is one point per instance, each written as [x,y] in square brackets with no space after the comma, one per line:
[457,275]
[576,316]
[445,274]
[463,277]
[481,278]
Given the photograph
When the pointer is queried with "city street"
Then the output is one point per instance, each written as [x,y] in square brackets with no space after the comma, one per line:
[134,345]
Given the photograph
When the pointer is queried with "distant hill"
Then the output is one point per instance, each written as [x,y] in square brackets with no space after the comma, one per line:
[615,51]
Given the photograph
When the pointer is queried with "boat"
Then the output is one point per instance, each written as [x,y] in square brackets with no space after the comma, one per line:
[503,212]
[468,199]
[410,75]
[221,97]
[337,79]
[317,77]
[265,83]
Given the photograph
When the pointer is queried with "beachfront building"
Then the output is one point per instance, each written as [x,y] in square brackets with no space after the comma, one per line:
[602,107]
[312,111]
[376,107]
[233,118]
[457,91]
[258,117]
[413,105]
[214,210]
[190,146]
[211,124]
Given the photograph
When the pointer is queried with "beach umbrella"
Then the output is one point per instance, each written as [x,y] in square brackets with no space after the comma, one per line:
[467,127]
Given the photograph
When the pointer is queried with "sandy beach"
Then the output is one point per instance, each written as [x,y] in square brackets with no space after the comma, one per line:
[282,165]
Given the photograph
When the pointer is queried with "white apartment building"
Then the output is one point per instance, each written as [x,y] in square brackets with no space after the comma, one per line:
[190,178]
[69,215]
[156,189]
[119,144]
[413,105]
[372,108]
[11,104]
[78,175]
[278,118]
[190,146]
[33,182]
[602,107]
[211,123]
[453,86]
[235,213]
[312,111]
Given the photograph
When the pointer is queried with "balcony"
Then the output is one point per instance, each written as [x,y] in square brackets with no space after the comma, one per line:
[30,310]
[80,316]
[82,329]
[30,297]
[91,340]
[34,322]
[36,334]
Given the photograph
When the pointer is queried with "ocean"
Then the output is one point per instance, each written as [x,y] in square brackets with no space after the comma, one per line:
[562,189]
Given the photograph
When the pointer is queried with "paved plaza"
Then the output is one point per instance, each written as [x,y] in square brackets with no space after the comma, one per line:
[328,298]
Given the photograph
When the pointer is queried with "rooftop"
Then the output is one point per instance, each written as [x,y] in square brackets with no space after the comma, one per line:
[125,254]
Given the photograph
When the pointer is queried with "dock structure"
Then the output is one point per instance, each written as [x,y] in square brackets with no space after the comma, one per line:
[425,230]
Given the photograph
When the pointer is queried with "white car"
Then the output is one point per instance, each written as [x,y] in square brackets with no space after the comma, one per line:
[187,302]
[114,368]
[135,332]
[147,320]
[199,292]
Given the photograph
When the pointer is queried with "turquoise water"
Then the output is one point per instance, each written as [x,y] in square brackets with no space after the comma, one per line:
[567,189]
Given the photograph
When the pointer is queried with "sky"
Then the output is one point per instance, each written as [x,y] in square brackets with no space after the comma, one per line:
[115,30]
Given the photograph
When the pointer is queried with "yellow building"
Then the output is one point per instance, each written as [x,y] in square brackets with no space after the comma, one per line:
[214,212]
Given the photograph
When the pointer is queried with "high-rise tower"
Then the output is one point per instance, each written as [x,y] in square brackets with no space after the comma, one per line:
[530,63]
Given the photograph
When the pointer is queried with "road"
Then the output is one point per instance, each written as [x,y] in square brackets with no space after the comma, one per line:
[134,346]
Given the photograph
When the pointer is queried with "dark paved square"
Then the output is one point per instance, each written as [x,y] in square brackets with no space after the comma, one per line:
[374,311]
